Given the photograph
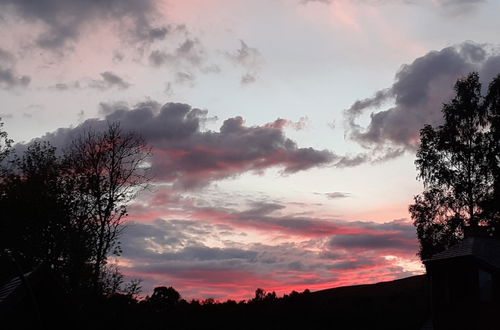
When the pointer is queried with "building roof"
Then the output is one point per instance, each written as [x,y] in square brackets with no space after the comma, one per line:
[486,249]
[9,288]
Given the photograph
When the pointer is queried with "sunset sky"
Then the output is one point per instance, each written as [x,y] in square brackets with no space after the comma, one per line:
[283,131]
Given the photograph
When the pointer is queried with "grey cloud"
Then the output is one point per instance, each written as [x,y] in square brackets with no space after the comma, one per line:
[382,241]
[245,55]
[419,90]
[372,102]
[263,216]
[249,58]
[262,209]
[9,78]
[452,8]
[139,238]
[176,245]
[65,20]
[397,235]
[247,79]
[184,78]
[158,33]
[459,7]
[109,108]
[158,58]
[176,250]
[358,261]
[351,161]
[118,56]
[190,51]
[189,59]
[203,253]
[185,155]
[67,86]
[107,81]
[337,194]
[321,1]
[6,57]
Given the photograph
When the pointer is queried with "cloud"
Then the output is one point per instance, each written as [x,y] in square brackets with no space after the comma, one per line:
[417,95]
[311,1]
[189,51]
[185,78]
[9,79]
[187,156]
[337,194]
[65,21]
[189,58]
[387,241]
[8,76]
[66,86]
[107,81]
[158,58]
[249,58]
[281,123]
[451,8]
[245,55]
[267,219]
[459,7]
[178,252]
[248,79]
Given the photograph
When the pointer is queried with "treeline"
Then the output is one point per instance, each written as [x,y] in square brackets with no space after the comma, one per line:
[399,304]
[165,308]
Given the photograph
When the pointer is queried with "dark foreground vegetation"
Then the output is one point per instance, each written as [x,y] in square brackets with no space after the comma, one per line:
[400,304]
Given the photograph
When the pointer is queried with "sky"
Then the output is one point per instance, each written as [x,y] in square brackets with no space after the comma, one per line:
[283,131]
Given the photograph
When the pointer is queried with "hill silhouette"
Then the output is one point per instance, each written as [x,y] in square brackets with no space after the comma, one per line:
[399,304]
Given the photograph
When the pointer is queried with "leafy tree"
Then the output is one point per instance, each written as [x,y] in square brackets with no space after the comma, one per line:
[65,210]
[163,297]
[34,213]
[458,167]
[491,206]
[108,170]
[260,294]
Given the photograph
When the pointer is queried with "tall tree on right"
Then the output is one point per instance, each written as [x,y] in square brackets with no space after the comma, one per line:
[458,163]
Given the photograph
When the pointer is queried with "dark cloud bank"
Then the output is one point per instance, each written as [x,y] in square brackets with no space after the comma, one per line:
[188,156]
[417,95]
[65,21]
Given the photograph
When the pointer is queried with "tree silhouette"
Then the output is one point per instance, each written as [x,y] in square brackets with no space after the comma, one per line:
[5,142]
[108,170]
[34,213]
[65,210]
[491,206]
[164,297]
[459,167]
